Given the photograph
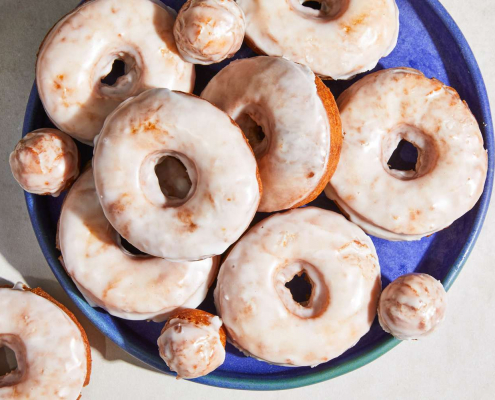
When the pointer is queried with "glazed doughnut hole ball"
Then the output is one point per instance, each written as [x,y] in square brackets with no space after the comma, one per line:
[45,161]
[192,343]
[209,31]
[412,306]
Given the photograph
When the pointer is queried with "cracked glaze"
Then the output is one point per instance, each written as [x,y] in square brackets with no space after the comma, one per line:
[412,306]
[80,49]
[127,286]
[45,161]
[377,113]
[50,350]
[225,191]
[282,98]
[209,31]
[257,309]
[344,38]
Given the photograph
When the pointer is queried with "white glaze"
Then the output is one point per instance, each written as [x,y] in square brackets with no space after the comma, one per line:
[344,38]
[126,286]
[45,161]
[190,349]
[377,112]
[412,306]
[257,309]
[80,50]
[281,97]
[49,347]
[209,31]
[225,192]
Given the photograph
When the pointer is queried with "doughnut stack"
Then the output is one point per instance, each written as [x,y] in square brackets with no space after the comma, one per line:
[166,206]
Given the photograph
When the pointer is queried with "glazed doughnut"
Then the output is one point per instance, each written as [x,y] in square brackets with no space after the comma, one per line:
[51,347]
[209,31]
[45,161]
[224,182]
[125,285]
[377,113]
[192,343]
[342,39]
[412,306]
[80,51]
[299,117]
[258,311]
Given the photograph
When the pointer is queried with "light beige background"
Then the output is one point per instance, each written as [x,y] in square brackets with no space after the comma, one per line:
[458,362]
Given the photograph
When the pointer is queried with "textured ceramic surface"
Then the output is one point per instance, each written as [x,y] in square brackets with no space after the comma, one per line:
[429,41]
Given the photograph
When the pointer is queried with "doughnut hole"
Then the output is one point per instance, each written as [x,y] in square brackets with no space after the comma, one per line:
[168,179]
[322,9]
[302,289]
[408,152]
[12,360]
[118,70]
[254,132]
[118,75]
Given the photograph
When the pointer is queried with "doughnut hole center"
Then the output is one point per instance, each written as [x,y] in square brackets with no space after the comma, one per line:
[254,133]
[173,178]
[8,361]
[118,70]
[300,287]
[404,157]
[408,152]
[321,9]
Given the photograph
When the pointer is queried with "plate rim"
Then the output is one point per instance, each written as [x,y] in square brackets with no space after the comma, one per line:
[379,348]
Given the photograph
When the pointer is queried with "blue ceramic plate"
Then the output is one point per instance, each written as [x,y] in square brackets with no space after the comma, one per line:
[429,41]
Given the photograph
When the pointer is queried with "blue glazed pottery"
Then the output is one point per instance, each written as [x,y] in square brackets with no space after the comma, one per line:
[429,41]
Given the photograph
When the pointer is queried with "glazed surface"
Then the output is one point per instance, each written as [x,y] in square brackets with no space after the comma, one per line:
[130,287]
[280,97]
[377,113]
[342,39]
[412,306]
[45,161]
[258,310]
[192,350]
[81,48]
[49,347]
[224,193]
[209,31]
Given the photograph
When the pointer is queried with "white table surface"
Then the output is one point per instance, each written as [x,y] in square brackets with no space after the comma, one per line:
[457,362]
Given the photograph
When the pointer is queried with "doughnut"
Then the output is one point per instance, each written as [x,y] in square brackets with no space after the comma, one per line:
[259,313]
[299,117]
[192,343]
[45,161]
[108,276]
[224,188]
[380,111]
[341,39]
[51,347]
[209,31]
[80,51]
[412,306]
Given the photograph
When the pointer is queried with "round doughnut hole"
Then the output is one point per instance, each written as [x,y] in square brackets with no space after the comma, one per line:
[129,249]
[300,288]
[254,134]
[404,157]
[8,362]
[408,152]
[118,70]
[173,179]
